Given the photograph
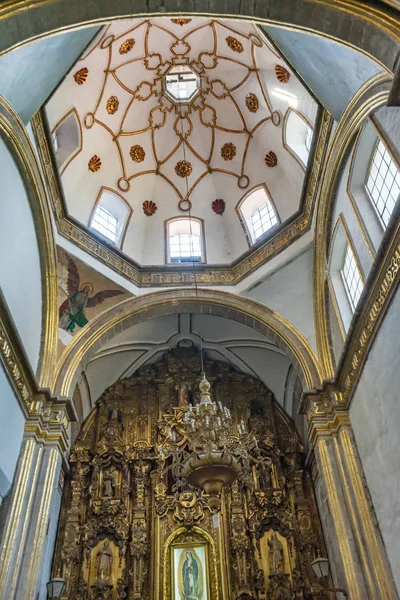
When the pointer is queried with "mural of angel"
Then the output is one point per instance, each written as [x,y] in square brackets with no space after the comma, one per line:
[73,310]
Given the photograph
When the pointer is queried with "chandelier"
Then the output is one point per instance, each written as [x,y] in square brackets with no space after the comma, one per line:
[219,449]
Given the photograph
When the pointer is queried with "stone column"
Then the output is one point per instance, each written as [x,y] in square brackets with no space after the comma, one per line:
[34,497]
[357,554]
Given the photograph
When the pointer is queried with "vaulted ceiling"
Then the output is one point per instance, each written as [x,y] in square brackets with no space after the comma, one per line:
[139,143]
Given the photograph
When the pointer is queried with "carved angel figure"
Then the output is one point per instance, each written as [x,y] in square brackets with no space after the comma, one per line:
[73,310]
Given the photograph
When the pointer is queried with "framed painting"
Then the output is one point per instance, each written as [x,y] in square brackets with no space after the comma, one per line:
[190,572]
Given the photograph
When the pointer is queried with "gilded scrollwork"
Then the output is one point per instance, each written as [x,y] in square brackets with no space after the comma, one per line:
[126,506]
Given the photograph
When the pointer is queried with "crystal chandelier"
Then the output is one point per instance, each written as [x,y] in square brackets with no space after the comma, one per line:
[219,450]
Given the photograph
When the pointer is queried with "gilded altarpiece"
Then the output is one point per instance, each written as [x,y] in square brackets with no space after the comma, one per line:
[131,527]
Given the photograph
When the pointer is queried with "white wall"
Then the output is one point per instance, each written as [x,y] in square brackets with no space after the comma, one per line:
[375,416]
[11,434]
[20,277]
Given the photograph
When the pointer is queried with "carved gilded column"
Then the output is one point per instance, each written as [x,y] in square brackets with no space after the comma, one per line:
[358,557]
[34,497]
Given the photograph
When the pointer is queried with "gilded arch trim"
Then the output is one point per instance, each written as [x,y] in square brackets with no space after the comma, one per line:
[230,306]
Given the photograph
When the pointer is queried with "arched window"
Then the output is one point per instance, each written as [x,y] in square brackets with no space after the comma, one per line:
[257,213]
[345,274]
[67,140]
[185,240]
[110,216]
[383,182]
[297,136]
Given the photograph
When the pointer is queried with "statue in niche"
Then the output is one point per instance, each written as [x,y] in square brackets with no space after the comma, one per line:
[104,561]
[113,415]
[259,581]
[276,555]
[109,484]
[264,472]
[183,393]
[143,421]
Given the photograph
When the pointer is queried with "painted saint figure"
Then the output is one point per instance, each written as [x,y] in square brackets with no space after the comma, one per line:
[190,578]
[72,311]
[104,561]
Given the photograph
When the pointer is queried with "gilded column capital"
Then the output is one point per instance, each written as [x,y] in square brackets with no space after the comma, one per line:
[49,420]
[326,412]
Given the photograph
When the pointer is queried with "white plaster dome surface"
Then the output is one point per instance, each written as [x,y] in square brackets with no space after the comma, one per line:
[140,135]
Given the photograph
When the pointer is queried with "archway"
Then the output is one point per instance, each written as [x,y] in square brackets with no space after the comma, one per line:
[128,313]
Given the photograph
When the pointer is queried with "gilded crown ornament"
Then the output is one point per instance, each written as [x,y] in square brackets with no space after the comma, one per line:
[228,151]
[112,105]
[126,46]
[282,74]
[81,75]
[149,207]
[137,153]
[271,160]
[183,168]
[181,21]
[94,164]
[218,206]
[234,44]
[252,103]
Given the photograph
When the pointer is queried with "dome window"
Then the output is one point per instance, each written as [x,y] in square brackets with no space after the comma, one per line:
[297,136]
[185,240]
[257,213]
[181,83]
[67,140]
[383,182]
[351,277]
[110,216]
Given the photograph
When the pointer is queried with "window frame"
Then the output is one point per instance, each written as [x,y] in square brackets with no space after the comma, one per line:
[246,221]
[106,218]
[167,236]
[123,222]
[347,285]
[53,135]
[286,145]
[379,141]
[339,241]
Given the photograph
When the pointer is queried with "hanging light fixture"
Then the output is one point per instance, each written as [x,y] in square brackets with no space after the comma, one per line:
[55,588]
[219,449]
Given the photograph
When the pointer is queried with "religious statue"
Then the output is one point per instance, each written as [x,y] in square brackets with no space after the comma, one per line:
[276,555]
[183,393]
[104,561]
[190,578]
[143,422]
[109,484]
[259,580]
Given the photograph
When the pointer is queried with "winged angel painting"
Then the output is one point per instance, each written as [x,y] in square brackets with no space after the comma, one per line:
[73,309]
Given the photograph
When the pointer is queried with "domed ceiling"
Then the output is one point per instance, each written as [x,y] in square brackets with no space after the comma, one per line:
[169,152]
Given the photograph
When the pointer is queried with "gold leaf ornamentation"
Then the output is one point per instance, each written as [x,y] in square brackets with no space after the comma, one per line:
[252,103]
[218,206]
[126,46]
[180,21]
[81,75]
[282,74]
[183,168]
[137,153]
[271,160]
[228,151]
[234,44]
[112,105]
[149,207]
[94,164]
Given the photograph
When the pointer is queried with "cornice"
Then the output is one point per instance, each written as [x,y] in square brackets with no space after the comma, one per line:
[164,276]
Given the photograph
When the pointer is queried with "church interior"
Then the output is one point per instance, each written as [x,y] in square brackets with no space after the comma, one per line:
[199,384]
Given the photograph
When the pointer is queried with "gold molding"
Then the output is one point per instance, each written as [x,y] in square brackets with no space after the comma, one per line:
[369,97]
[18,143]
[178,276]
[285,335]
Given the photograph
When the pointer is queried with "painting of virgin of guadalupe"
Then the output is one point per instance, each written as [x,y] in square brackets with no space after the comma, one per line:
[190,573]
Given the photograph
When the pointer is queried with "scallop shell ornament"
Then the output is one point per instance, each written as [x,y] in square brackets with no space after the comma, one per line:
[81,75]
[126,46]
[94,164]
[149,207]
[282,74]
[112,105]
[271,160]
[218,206]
